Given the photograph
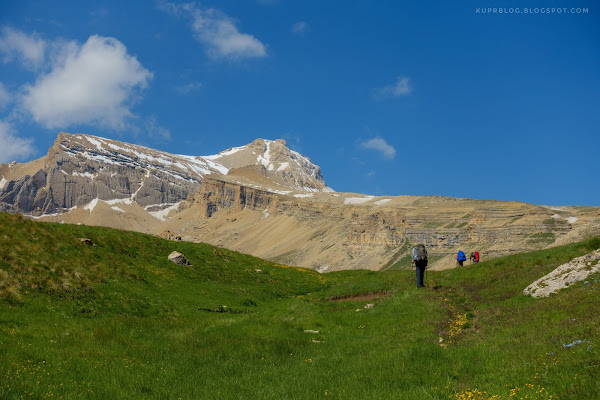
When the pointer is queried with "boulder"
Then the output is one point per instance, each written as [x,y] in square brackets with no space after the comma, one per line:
[578,269]
[178,258]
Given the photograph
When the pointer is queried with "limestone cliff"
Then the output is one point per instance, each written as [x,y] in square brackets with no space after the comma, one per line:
[333,231]
[81,168]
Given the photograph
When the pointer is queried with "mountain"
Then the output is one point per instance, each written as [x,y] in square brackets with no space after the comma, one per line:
[81,168]
[269,201]
[330,231]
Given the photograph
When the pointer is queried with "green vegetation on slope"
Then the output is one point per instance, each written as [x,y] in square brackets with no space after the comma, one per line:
[117,320]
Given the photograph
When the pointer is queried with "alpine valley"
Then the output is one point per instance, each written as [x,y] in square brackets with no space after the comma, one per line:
[272,202]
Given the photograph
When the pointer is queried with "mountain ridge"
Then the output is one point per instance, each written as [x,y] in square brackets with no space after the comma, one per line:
[269,201]
[79,168]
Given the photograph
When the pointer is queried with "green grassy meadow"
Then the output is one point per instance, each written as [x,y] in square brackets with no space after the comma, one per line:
[119,321]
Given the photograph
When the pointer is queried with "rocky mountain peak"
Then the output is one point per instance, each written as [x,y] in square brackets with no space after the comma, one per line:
[276,161]
[79,169]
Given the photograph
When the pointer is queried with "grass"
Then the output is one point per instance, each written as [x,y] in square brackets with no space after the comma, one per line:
[117,320]
[541,238]
[401,257]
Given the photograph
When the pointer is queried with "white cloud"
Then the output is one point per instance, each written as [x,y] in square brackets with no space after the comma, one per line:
[28,49]
[96,82]
[218,32]
[5,97]
[402,87]
[188,87]
[154,130]
[380,145]
[13,147]
[299,28]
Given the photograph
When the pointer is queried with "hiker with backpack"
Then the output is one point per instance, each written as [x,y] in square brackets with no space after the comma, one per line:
[461,258]
[419,258]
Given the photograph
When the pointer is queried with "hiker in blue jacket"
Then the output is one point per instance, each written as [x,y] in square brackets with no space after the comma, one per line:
[461,258]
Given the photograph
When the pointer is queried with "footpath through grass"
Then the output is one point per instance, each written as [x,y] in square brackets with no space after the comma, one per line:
[118,320]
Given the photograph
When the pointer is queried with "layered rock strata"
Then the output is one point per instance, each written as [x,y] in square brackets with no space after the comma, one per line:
[81,168]
[331,231]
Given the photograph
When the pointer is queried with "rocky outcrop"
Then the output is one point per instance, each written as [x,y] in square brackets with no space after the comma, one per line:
[216,194]
[80,168]
[578,269]
[275,161]
[332,231]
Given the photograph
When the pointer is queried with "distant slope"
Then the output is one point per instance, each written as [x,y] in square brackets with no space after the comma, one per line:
[340,231]
[117,320]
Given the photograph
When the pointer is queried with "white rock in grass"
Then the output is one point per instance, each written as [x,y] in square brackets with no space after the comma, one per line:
[178,258]
[578,269]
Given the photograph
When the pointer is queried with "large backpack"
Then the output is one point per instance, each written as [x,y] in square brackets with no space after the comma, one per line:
[461,256]
[476,256]
[421,252]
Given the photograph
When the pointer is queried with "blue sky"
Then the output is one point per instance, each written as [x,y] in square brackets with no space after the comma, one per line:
[388,97]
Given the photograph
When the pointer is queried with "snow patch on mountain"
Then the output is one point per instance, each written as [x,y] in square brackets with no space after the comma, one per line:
[94,142]
[91,205]
[382,201]
[265,159]
[129,155]
[162,214]
[357,200]
[227,152]
[283,166]
[126,201]
[85,175]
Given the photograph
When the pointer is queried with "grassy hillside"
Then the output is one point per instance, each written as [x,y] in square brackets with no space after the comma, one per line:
[118,320]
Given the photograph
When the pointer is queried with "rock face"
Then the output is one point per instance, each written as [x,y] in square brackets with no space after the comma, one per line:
[281,166]
[578,269]
[80,168]
[332,231]
[218,194]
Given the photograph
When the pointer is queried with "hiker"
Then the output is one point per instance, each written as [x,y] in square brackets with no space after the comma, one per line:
[461,258]
[419,258]
[472,258]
